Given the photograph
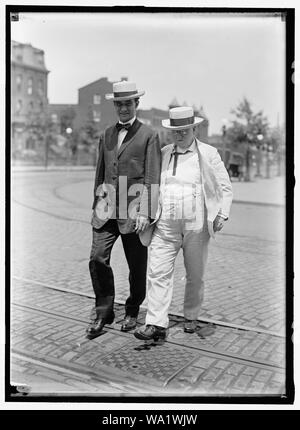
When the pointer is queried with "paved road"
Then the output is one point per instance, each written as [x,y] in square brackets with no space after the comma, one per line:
[52,297]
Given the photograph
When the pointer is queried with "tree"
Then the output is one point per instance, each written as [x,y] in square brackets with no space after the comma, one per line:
[276,145]
[247,129]
[66,119]
[247,125]
[36,130]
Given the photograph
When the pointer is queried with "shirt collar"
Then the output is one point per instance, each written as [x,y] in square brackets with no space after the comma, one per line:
[129,122]
[191,148]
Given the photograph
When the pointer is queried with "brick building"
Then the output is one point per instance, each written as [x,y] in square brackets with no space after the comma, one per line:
[32,117]
[93,108]
[29,86]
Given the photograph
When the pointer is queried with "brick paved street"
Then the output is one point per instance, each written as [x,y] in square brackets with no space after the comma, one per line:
[46,334]
[245,292]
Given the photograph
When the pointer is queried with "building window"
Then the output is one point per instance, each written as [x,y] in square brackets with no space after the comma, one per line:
[40,59]
[29,86]
[19,106]
[19,82]
[97,99]
[40,87]
[30,144]
[54,117]
[96,116]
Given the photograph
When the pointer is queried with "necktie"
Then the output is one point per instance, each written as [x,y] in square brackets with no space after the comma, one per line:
[176,154]
[120,126]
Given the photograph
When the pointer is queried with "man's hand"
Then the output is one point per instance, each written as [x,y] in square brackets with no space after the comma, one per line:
[218,223]
[142,223]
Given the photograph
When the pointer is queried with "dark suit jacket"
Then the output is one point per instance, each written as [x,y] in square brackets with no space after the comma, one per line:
[127,181]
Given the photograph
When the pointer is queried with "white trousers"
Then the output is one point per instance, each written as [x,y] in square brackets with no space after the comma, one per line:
[168,237]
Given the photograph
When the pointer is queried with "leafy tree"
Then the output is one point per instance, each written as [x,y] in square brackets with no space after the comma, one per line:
[66,119]
[90,132]
[247,125]
[36,125]
[246,130]
[276,139]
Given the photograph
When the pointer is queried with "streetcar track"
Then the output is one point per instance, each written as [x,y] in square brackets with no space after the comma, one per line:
[53,215]
[66,218]
[221,354]
[55,192]
[86,376]
[177,314]
[114,378]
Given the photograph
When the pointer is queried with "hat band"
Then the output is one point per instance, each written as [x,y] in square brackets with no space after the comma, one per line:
[181,121]
[125,93]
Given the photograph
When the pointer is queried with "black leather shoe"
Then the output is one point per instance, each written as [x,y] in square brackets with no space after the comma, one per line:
[95,327]
[129,323]
[150,332]
[190,326]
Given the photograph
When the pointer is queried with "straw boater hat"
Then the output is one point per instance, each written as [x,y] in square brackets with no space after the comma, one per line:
[181,118]
[124,90]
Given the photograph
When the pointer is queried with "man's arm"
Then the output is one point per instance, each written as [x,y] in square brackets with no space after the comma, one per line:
[99,175]
[225,183]
[151,182]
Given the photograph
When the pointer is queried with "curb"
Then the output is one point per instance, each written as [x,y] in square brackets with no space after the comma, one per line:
[248,202]
[54,169]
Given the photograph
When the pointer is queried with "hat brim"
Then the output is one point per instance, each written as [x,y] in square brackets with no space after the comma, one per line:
[166,124]
[133,96]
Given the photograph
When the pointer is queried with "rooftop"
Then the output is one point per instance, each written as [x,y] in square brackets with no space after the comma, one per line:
[26,55]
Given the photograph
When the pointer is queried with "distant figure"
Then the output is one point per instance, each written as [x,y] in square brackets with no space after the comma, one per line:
[128,164]
[195,199]
[74,151]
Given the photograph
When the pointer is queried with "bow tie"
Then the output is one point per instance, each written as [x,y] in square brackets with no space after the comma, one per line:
[120,126]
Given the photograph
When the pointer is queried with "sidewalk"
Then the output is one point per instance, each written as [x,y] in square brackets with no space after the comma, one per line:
[50,168]
[261,191]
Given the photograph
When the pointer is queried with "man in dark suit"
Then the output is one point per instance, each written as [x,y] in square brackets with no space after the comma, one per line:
[125,197]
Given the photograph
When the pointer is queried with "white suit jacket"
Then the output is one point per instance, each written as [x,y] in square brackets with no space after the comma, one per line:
[217,188]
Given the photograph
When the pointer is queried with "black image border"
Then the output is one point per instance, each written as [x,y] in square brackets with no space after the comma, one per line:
[288,15]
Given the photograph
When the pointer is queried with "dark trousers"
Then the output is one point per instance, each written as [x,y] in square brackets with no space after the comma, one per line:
[102,274]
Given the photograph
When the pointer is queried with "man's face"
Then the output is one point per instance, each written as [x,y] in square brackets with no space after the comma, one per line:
[183,138]
[126,109]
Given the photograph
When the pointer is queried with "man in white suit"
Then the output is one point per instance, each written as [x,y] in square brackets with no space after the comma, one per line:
[195,200]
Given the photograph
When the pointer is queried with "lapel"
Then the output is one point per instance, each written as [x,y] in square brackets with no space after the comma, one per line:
[201,149]
[128,138]
[167,158]
[112,140]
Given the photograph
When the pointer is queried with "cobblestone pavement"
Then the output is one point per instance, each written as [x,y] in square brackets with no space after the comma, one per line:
[245,291]
[245,280]
[48,329]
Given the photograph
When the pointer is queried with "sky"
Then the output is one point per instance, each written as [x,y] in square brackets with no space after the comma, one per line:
[201,59]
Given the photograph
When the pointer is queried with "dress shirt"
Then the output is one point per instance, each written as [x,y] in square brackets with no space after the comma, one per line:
[123,132]
[182,158]
[182,185]
[181,155]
